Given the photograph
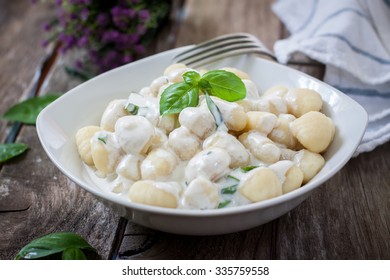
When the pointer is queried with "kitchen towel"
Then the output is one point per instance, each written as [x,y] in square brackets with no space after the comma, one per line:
[352,38]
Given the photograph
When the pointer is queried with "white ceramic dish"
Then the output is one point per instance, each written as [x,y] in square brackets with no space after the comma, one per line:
[83,105]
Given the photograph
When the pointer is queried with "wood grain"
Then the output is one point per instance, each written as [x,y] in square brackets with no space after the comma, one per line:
[53,202]
[205,19]
[348,217]
[20,50]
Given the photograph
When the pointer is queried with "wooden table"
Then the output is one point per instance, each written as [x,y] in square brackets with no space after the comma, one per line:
[346,218]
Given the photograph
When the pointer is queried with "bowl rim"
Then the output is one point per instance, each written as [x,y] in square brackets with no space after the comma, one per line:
[113,198]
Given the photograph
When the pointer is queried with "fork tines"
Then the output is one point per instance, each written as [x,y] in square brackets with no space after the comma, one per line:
[221,47]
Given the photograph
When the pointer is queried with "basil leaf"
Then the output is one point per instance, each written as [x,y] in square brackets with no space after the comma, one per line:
[132,108]
[214,110]
[8,151]
[224,203]
[27,111]
[73,254]
[52,244]
[191,77]
[178,96]
[248,168]
[224,85]
[230,190]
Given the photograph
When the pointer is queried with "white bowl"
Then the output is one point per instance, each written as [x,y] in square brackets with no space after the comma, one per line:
[83,105]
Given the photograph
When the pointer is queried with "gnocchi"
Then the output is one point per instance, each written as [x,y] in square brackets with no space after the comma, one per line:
[263,146]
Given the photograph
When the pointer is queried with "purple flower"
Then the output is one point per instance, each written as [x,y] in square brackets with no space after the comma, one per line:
[110,60]
[127,58]
[133,38]
[79,64]
[84,14]
[110,36]
[141,29]
[83,41]
[68,41]
[144,14]
[140,49]
[45,43]
[116,11]
[102,19]
[110,31]
[46,26]
[74,16]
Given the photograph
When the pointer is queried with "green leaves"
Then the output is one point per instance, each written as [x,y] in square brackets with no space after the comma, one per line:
[229,190]
[217,115]
[27,111]
[62,245]
[223,204]
[8,151]
[219,83]
[248,168]
[225,85]
[178,96]
[132,108]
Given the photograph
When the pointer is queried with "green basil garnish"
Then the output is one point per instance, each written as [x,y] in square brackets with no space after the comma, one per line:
[8,151]
[234,178]
[246,169]
[103,138]
[27,111]
[229,190]
[225,85]
[132,108]
[62,245]
[219,83]
[224,203]
[178,96]
[191,77]
[217,115]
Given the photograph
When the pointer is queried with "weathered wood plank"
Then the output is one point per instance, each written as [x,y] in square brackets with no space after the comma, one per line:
[205,19]
[142,243]
[47,202]
[20,50]
[346,218]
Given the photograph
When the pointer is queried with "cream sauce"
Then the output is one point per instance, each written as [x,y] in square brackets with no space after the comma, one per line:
[200,148]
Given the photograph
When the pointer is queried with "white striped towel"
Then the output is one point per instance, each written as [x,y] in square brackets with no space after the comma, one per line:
[352,38]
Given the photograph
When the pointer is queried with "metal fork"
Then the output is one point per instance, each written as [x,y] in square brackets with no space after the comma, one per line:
[221,47]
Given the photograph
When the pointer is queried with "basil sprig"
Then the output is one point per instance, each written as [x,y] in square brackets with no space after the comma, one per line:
[219,83]
[61,245]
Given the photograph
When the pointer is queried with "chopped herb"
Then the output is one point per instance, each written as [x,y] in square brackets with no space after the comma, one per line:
[230,190]
[132,108]
[224,203]
[248,168]
[214,110]
[234,178]
[103,138]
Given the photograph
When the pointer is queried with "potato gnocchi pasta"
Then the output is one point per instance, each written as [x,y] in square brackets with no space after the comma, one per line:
[269,144]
